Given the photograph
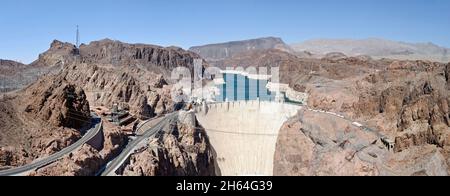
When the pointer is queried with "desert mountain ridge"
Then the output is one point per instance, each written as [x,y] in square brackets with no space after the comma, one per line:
[377,48]
[315,48]
[221,51]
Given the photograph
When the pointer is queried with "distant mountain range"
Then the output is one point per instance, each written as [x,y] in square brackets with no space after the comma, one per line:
[377,48]
[318,48]
[221,51]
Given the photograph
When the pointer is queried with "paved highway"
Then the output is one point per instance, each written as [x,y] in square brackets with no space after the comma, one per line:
[114,165]
[23,170]
[353,123]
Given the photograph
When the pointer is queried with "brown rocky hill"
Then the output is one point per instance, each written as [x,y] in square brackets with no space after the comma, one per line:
[139,90]
[317,144]
[414,108]
[160,60]
[58,54]
[405,100]
[182,149]
[58,102]
[14,75]
[41,120]
[133,75]
[157,59]
[8,67]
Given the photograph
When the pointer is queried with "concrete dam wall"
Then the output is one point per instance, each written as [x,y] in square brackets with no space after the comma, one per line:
[244,134]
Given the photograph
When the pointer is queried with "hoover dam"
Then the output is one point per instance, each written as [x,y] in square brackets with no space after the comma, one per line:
[244,134]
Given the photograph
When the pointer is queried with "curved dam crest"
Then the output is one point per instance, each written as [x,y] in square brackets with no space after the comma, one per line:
[244,134]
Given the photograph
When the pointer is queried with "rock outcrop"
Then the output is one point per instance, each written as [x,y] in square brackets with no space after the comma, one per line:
[15,75]
[145,111]
[334,56]
[413,109]
[153,58]
[133,75]
[314,144]
[42,119]
[58,102]
[59,54]
[181,150]
[8,67]
[319,144]
[109,53]
[9,157]
[447,75]
[143,92]
[84,162]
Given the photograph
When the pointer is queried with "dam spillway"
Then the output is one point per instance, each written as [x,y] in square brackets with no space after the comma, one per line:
[244,134]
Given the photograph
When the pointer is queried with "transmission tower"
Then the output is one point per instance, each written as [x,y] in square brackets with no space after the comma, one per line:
[78,37]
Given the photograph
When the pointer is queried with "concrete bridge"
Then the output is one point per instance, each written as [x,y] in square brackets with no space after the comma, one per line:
[244,134]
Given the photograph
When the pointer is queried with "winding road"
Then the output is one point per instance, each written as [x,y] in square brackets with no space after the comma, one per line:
[354,123]
[115,164]
[26,169]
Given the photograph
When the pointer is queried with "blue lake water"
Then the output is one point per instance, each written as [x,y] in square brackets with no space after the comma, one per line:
[241,88]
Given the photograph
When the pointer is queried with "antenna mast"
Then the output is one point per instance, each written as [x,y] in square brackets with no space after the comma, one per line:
[78,38]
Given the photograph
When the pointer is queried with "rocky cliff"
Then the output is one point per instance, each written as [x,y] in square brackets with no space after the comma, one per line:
[314,144]
[15,75]
[41,120]
[143,92]
[182,149]
[136,76]
[115,54]
[59,54]
[8,67]
[153,58]
[58,102]
[413,109]
[84,162]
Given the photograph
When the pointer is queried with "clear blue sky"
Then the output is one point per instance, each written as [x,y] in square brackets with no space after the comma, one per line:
[28,26]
